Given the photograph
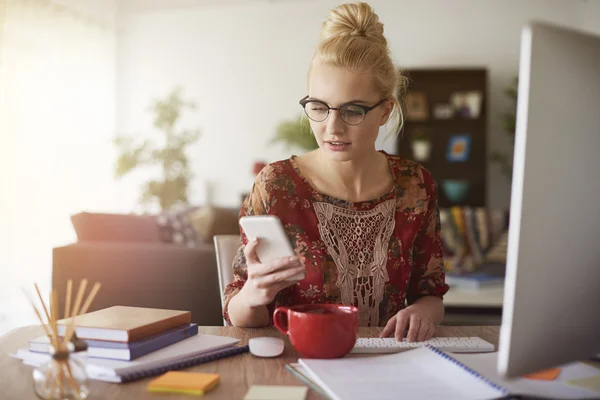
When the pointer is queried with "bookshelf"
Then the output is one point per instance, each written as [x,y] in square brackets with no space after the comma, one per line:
[445,130]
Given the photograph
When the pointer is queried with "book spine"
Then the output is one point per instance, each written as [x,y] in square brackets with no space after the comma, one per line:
[105,344]
[469,370]
[204,358]
[162,341]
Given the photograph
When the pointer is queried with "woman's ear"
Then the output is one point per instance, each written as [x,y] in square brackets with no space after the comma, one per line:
[387,108]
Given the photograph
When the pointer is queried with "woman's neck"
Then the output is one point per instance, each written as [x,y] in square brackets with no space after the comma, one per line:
[355,177]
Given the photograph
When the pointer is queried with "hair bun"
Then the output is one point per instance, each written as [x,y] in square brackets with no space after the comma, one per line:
[356,19]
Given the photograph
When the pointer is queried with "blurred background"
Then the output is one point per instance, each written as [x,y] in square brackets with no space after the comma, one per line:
[147,120]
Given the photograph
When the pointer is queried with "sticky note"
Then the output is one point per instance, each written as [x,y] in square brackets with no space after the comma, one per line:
[264,392]
[544,375]
[195,383]
[592,383]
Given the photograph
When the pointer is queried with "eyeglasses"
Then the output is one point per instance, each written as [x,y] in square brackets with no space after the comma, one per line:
[352,114]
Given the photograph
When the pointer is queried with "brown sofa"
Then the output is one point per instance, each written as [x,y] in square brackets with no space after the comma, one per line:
[137,267]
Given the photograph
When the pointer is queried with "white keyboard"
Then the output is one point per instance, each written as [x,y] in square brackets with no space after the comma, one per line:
[448,344]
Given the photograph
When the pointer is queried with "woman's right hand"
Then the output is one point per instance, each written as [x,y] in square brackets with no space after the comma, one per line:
[266,280]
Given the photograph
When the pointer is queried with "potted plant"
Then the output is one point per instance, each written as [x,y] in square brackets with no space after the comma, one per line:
[296,133]
[168,153]
[509,122]
[421,145]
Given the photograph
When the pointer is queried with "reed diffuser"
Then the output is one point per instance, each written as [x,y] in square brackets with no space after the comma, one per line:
[63,377]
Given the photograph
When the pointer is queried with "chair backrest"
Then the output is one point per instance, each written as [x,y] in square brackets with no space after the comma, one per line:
[226,247]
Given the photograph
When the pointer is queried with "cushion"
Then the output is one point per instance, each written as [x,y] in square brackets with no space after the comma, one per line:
[175,227]
[210,221]
[115,227]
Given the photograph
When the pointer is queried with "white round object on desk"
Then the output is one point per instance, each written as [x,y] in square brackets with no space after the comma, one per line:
[266,346]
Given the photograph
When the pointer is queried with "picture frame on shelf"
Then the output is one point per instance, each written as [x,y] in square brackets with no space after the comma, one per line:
[417,106]
[459,148]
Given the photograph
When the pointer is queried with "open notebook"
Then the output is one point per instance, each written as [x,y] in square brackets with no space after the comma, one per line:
[423,373]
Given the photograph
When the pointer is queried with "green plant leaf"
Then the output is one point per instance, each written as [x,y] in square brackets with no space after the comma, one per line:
[131,158]
[171,188]
[508,120]
[296,133]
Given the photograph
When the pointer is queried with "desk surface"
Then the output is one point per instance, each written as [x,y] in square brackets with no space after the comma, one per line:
[238,373]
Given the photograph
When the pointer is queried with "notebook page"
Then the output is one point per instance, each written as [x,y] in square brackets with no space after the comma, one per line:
[414,374]
[189,347]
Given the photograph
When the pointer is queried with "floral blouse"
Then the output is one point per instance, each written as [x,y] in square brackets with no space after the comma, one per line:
[376,255]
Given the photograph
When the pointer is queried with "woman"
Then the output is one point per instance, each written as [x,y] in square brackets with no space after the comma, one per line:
[364,223]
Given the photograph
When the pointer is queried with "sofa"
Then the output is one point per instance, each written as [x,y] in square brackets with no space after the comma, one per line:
[169,261]
[159,261]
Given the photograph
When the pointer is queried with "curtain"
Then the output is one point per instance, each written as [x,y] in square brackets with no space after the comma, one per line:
[57,120]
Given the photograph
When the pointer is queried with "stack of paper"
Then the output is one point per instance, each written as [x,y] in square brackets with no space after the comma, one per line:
[269,392]
[195,383]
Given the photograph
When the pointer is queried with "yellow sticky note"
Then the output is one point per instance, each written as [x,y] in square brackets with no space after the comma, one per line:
[544,375]
[195,383]
[592,383]
[264,392]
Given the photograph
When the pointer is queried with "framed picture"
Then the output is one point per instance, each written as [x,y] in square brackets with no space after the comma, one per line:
[459,148]
[417,106]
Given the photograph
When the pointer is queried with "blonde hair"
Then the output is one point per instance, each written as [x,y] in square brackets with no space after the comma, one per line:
[352,38]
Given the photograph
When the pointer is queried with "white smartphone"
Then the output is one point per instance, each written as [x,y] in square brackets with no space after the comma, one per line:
[273,243]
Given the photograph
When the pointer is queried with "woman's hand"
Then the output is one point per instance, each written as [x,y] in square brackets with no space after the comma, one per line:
[416,318]
[266,280]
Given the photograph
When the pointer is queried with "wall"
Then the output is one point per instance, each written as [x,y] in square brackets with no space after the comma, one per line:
[590,15]
[246,66]
[57,118]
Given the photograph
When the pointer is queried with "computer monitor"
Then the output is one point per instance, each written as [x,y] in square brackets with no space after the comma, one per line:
[551,309]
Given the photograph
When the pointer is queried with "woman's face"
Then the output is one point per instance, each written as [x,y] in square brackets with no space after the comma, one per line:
[334,87]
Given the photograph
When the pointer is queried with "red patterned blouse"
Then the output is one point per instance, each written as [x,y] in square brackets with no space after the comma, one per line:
[376,255]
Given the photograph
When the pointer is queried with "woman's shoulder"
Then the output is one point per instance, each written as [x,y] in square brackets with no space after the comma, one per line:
[404,168]
[275,176]
[275,170]
[414,184]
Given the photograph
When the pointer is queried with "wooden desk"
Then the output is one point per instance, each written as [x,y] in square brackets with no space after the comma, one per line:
[238,373]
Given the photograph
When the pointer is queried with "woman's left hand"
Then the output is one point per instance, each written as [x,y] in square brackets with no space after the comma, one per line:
[416,319]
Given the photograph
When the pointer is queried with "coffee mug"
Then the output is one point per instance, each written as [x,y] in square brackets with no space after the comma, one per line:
[319,330]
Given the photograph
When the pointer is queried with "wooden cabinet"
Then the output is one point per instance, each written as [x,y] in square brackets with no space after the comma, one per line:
[445,130]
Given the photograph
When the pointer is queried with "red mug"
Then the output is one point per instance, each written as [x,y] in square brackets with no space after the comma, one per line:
[319,330]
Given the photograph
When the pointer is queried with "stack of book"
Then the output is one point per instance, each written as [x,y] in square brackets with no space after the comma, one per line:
[129,343]
[125,333]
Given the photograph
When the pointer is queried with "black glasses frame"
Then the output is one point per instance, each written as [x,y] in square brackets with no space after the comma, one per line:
[305,100]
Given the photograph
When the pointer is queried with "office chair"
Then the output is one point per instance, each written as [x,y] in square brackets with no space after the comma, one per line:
[226,247]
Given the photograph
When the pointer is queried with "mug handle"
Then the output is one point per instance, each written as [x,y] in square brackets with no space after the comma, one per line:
[280,319]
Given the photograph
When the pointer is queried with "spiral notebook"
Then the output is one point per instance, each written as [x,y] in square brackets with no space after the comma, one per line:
[192,351]
[423,373]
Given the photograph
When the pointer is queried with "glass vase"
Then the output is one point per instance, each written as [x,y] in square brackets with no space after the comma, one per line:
[62,377]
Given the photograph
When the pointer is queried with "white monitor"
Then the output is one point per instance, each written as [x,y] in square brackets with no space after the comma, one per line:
[551,309]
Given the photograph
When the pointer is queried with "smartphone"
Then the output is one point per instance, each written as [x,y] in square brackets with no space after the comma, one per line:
[273,243]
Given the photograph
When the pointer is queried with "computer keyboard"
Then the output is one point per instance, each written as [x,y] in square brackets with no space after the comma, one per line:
[448,344]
